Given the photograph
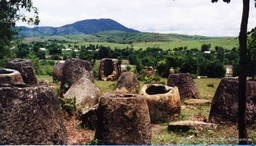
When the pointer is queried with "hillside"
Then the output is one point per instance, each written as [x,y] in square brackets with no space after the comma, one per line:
[111,33]
[90,26]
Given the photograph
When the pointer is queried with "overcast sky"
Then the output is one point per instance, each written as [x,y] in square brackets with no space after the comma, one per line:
[196,17]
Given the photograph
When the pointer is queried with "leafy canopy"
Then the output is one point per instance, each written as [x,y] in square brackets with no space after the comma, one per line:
[12,11]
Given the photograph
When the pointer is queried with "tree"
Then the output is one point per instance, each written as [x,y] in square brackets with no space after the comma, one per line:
[87,53]
[55,49]
[252,54]
[40,54]
[243,63]
[12,11]
[205,47]
[22,50]
[104,52]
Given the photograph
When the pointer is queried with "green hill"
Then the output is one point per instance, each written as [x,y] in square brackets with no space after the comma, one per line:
[90,26]
[111,33]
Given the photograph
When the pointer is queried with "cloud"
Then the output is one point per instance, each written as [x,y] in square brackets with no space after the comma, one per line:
[199,17]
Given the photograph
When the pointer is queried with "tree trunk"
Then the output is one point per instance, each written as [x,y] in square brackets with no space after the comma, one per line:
[243,137]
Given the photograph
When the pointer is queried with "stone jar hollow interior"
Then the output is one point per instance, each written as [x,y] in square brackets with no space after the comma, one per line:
[152,90]
[9,76]
[4,71]
[108,67]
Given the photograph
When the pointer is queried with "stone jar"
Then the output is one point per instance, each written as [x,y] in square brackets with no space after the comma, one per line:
[123,119]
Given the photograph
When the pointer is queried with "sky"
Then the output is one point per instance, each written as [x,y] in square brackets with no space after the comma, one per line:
[193,17]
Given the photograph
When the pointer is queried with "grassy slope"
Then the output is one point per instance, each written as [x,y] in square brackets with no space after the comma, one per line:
[115,39]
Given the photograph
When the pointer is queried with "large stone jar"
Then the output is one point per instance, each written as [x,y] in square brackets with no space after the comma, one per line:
[109,69]
[123,119]
[185,83]
[10,76]
[30,115]
[224,107]
[127,83]
[26,69]
[73,70]
[57,71]
[163,102]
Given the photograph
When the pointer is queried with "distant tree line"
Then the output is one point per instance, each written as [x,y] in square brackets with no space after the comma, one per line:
[204,61]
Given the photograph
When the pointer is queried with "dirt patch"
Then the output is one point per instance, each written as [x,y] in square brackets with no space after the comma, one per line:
[157,128]
[76,134]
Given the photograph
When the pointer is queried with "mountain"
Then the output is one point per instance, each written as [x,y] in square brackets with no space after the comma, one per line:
[90,26]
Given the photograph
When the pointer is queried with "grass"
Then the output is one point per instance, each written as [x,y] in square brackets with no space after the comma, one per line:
[44,78]
[205,91]
[121,40]
[225,43]
[224,134]
[105,87]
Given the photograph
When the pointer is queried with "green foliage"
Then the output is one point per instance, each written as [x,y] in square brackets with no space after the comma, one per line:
[42,67]
[205,47]
[55,49]
[55,57]
[38,45]
[212,69]
[181,59]
[46,70]
[73,54]
[36,62]
[104,52]
[22,50]
[152,79]
[10,12]
[252,54]
[41,54]
[46,67]
[88,53]
[68,105]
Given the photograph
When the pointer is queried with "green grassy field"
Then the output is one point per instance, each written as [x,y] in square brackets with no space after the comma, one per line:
[224,134]
[225,43]
[142,40]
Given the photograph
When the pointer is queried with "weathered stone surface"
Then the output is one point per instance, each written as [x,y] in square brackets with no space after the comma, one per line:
[30,115]
[188,125]
[123,119]
[57,71]
[185,84]
[26,69]
[197,101]
[86,94]
[224,107]
[73,70]
[89,118]
[163,102]
[10,76]
[127,83]
[109,69]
